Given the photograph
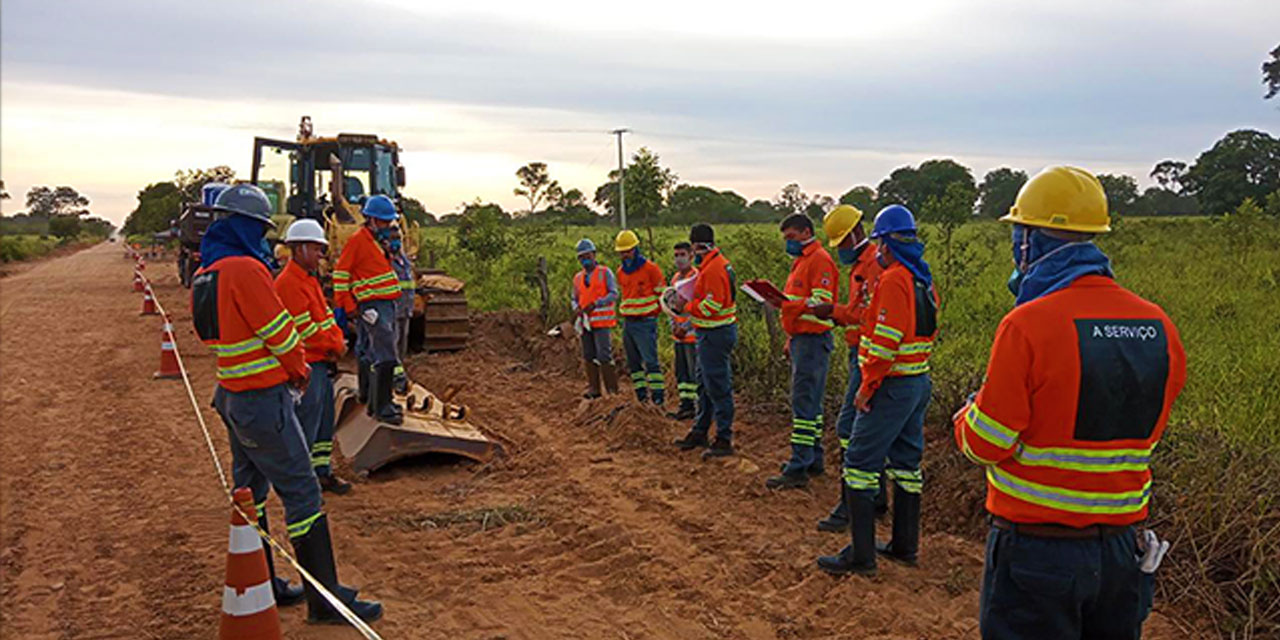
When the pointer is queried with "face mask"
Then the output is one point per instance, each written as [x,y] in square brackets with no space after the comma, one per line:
[881,258]
[697,259]
[394,245]
[383,234]
[587,263]
[850,255]
[682,263]
[1015,281]
[795,248]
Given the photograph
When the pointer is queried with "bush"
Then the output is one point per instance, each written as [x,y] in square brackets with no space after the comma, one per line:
[15,248]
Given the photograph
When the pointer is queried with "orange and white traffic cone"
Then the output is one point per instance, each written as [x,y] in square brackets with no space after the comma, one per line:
[148,304]
[248,604]
[168,355]
[137,282]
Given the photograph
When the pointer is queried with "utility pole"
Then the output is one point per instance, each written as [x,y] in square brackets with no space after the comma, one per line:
[622,192]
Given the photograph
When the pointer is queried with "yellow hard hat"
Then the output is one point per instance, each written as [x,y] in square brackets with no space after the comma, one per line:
[839,222]
[1065,198]
[626,240]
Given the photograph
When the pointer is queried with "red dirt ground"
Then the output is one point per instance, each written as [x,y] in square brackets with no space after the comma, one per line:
[112,523]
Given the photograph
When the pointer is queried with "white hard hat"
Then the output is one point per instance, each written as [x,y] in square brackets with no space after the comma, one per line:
[305,230]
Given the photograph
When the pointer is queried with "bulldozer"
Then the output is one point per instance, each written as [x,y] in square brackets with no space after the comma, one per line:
[328,179]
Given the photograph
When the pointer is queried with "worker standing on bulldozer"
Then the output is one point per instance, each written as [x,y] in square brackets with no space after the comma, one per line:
[713,310]
[811,283]
[891,399]
[1077,394]
[404,304]
[640,281]
[303,298]
[261,369]
[364,282]
[595,289]
[843,227]
[686,340]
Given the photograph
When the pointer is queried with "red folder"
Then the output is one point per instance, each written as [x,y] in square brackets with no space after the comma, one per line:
[764,291]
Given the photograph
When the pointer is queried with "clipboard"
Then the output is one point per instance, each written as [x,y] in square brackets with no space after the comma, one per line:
[764,292]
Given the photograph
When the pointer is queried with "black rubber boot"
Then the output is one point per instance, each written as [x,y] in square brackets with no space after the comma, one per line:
[905,544]
[315,553]
[787,481]
[286,594]
[609,371]
[719,449]
[838,520]
[692,440]
[385,409]
[860,556]
[362,383]
[685,412]
[333,484]
[593,380]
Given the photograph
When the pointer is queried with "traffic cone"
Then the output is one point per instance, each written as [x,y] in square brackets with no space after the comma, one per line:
[168,355]
[148,303]
[137,282]
[248,604]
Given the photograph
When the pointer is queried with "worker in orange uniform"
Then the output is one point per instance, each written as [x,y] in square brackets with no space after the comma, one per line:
[640,282]
[686,340]
[364,281]
[843,227]
[303,298]
[1082,376]
[811,283]
[713,310]
[595,290]
[891,399]
[262,372]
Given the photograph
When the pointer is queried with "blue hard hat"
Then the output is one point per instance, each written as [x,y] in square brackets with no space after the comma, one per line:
[245,200]
[380,207]
[585,245]
[894,218]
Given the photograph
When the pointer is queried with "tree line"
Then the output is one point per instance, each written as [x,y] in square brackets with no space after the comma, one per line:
[61,212]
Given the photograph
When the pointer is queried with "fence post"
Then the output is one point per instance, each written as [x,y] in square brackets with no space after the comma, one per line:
[543,290]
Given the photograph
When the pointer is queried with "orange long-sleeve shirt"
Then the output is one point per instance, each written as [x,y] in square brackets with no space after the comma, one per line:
[900,342]
[238,315]
[363,273]
[639,291]
[862,283]
[714,302]
[304,299]
[812,281]
[1078,392]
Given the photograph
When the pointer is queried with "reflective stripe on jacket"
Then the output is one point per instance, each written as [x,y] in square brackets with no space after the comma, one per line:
[1078,392]
[238,315]
[714,301]
[588,290]
[312,318]
[904,311]
[363,273]
[862,284]
[812,281]
[640,290]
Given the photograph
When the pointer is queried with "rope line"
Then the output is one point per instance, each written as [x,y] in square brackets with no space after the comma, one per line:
[360,625]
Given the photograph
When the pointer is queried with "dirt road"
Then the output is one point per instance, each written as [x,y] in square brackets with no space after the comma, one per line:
[112,523]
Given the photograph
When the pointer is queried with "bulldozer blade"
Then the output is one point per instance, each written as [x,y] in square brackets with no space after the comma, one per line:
[430,426]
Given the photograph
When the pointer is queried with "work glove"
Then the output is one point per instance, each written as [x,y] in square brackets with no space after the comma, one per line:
[340,316]
[370,316]
[1153,549]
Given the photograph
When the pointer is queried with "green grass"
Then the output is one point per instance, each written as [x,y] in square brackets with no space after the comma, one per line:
[15,248]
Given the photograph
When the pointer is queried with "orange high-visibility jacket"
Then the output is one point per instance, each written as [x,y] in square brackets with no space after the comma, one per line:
[812,282]
[1077,394]
[312,318]
[640,291]
[589,290]
[714,301]
[862,284]
[906,322]
[238,315]
[690,335]
[363,273]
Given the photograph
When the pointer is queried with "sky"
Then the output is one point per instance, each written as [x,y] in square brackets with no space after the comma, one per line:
[110,95]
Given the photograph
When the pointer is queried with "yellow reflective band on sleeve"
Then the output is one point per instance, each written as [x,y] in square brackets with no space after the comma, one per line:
[277,325]
[816,320]
[328,323]
[1071,500]
[821,294]
[341,275]
[1086,460]
[310,330]
[880,351]
[288,344]
[886,331]
[236,348]
[915,348]
[989,429]
[909,368]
